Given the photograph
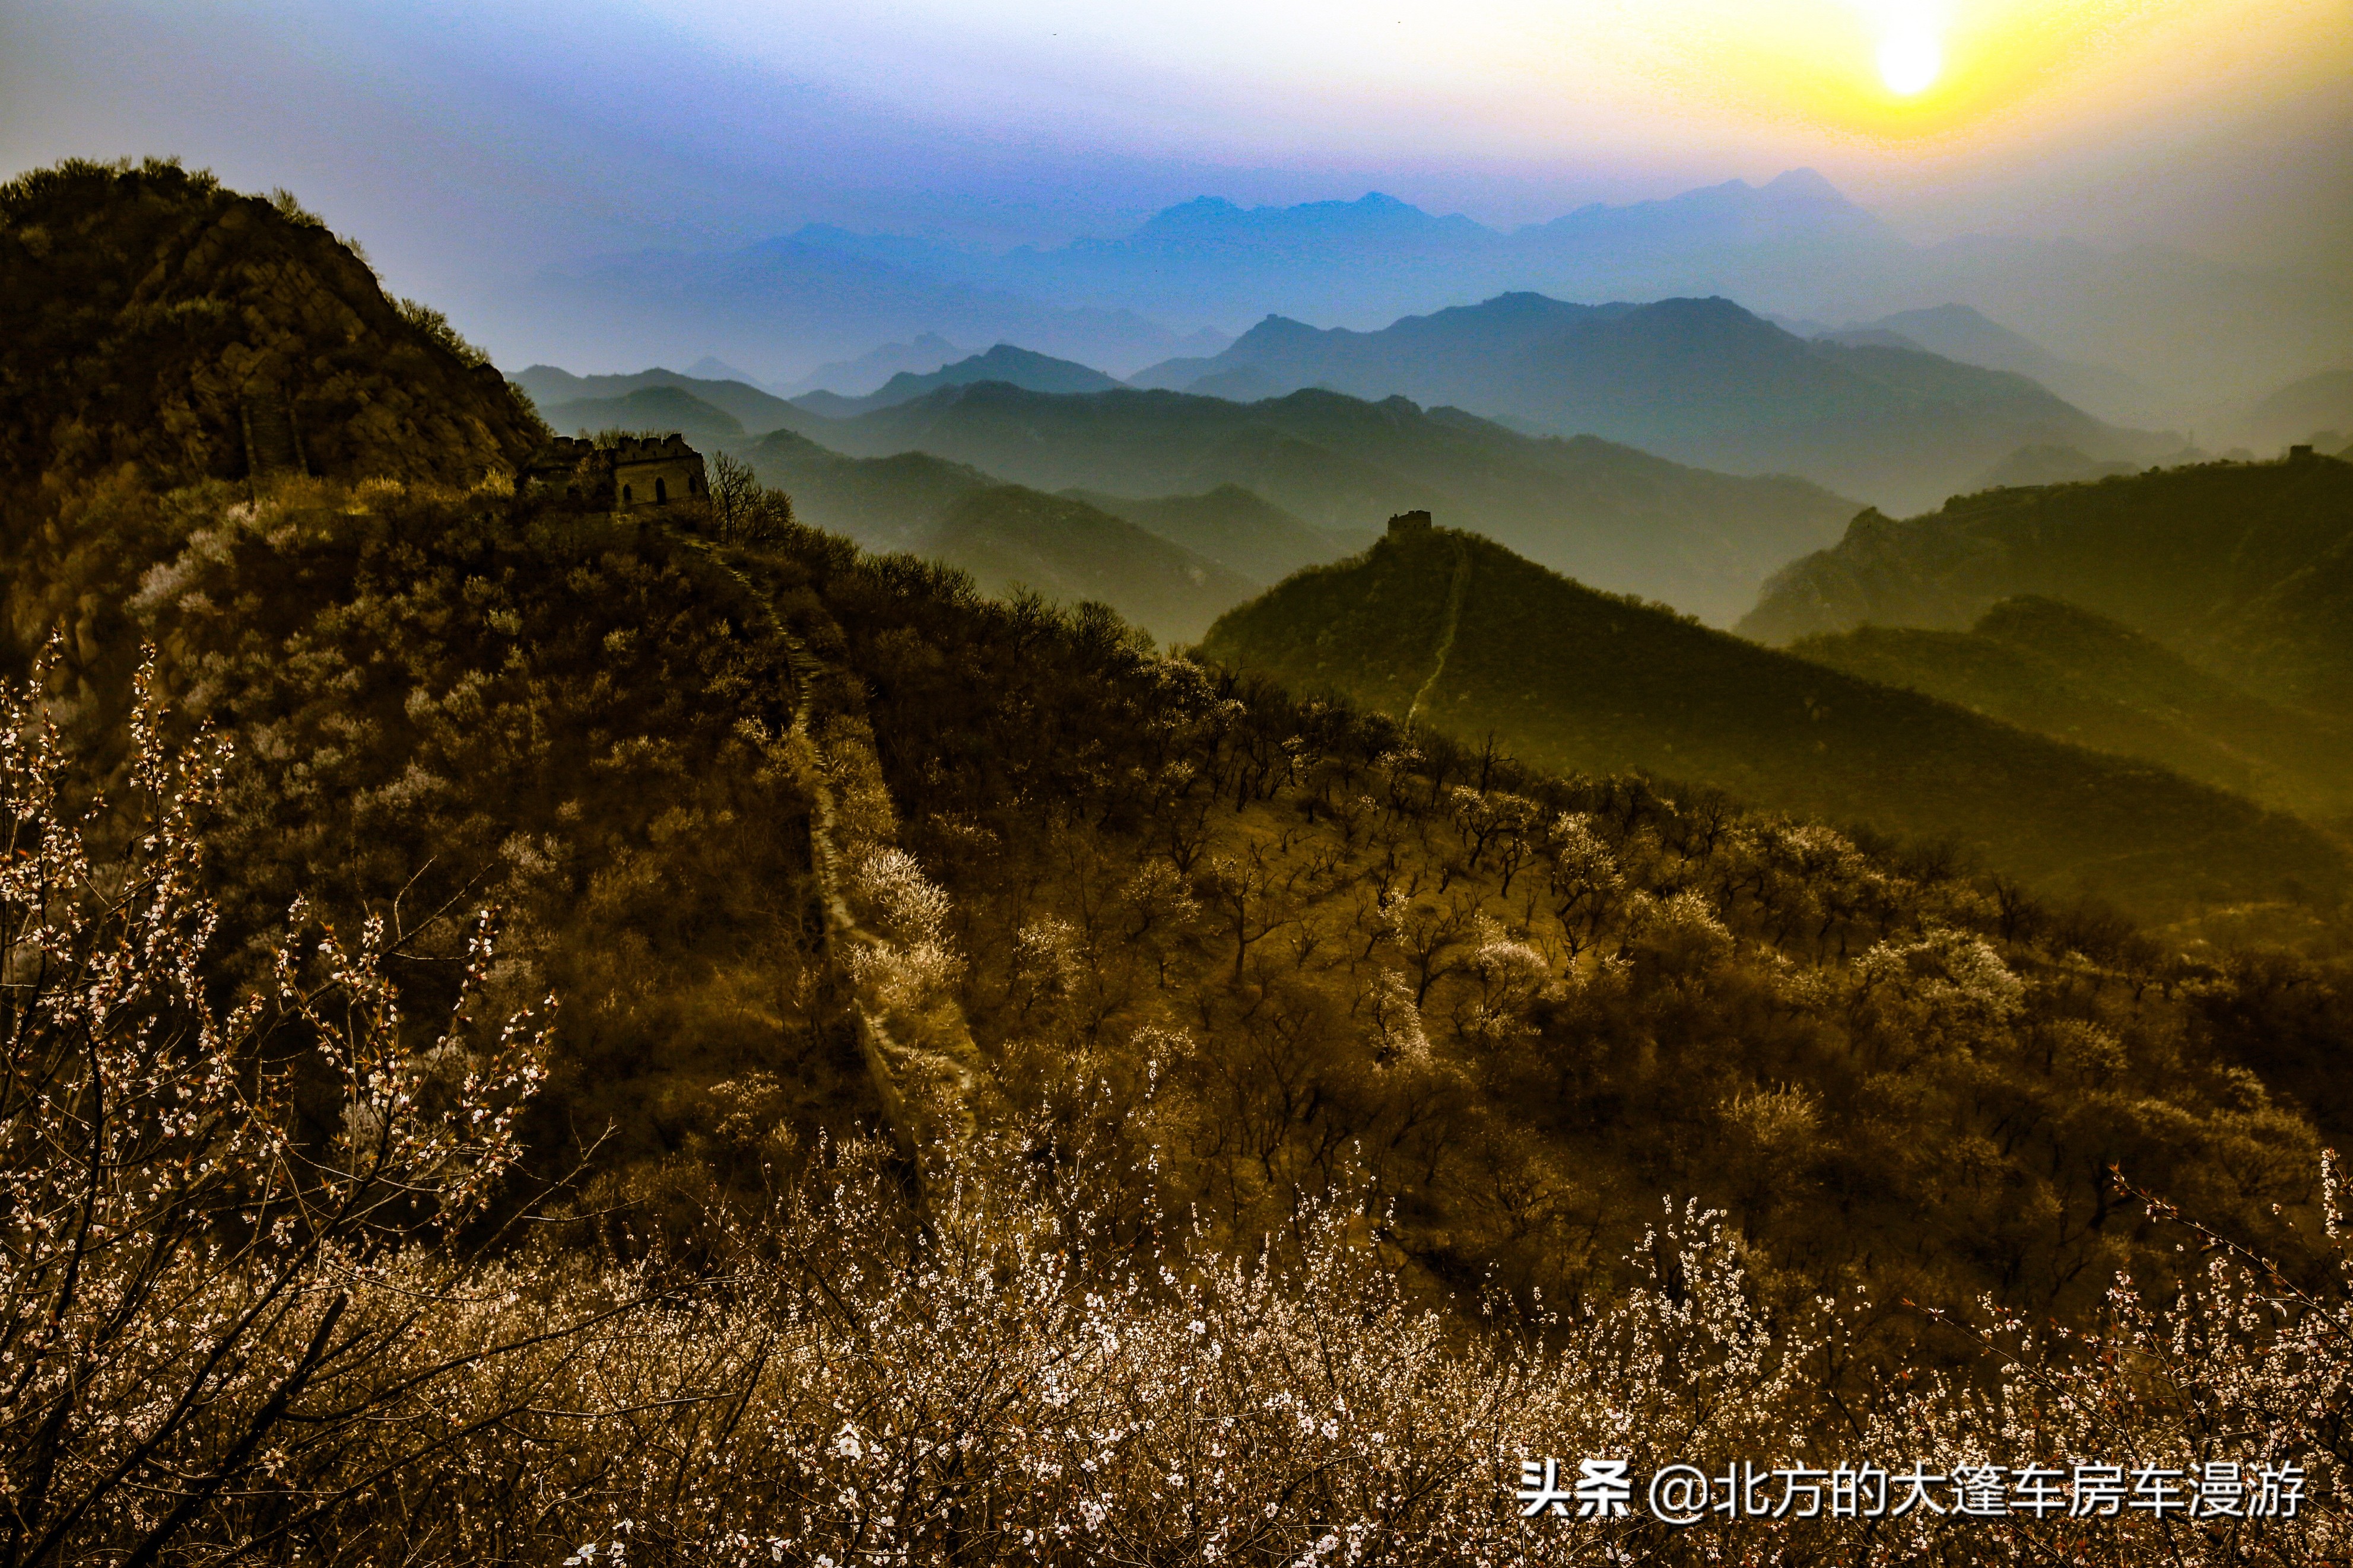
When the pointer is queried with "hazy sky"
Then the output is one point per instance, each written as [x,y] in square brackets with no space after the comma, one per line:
[458,140]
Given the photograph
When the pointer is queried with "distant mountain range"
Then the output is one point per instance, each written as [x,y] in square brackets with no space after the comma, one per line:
[1454,631]
[2246,569]
[1170,565]
[1701,541]
[649,396]
[2195,330]
[868,372]
[1014,367]
[1960,333]
[1700,380]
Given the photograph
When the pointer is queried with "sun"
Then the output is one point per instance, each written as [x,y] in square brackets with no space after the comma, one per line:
[1911,56]
[1911,50]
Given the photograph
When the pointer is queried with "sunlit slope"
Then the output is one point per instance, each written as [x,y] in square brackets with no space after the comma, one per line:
[1571,679]
[1703,542]
[2246,569]
[2077,677]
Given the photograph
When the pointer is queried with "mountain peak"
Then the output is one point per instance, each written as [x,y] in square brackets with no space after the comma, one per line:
[1805,183]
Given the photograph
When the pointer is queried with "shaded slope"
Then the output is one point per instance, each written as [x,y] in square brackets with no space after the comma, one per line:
[149,318]
[1233,528]
[883,503]
[1611,514]
[2081,677]
[2247,569]
[1010,538]
[661,408]
[1574,680]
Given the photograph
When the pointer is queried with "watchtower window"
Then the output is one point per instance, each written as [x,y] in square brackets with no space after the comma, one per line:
[661,492]
[628,496]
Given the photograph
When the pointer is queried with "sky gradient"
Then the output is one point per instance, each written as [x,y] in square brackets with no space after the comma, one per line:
[464,143]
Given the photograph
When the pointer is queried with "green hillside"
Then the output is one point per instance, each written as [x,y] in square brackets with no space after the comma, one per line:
[1235,529]
[2246,569]
[1463,636]
[1703,542]
[1010,538]
[2081,677]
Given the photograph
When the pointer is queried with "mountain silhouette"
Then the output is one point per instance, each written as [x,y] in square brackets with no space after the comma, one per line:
[1704,542]
[1014,367]
[1700,380]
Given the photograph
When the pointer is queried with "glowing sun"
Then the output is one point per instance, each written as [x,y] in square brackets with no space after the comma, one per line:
[1911,51]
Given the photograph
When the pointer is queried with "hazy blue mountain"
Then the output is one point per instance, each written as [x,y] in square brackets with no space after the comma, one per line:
[1614,516]
[658,408]
[866,373]
[792,300]
[1959,332]
[710,367]
[1700,380]
[1014,367]
[2195,332]
[755,410]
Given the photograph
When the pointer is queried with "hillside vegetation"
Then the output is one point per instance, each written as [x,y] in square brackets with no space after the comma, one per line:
[150,319]
[759,1051]
[1463,636]
[2246,569]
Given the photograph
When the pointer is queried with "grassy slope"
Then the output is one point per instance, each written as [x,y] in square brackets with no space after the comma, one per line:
[2081,677]
[1573,680]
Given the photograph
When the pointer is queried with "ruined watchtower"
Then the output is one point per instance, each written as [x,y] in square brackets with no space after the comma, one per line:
[1410,523]
[632,472]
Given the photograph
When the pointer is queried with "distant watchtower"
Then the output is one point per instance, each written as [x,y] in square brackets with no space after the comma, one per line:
[1410,523]
[626,475]
[2300,454]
